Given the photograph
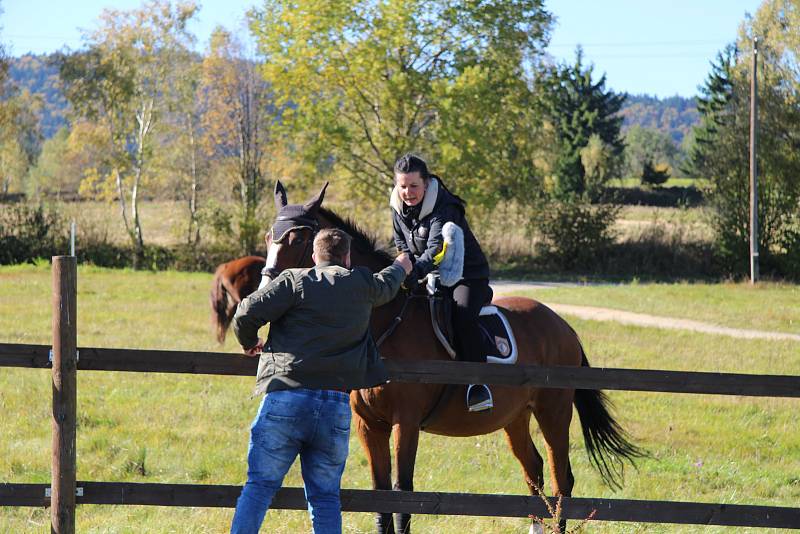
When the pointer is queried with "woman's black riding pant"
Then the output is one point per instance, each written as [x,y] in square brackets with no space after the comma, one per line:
[469,296]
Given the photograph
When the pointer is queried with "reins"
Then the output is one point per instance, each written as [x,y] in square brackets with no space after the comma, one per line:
[396,321]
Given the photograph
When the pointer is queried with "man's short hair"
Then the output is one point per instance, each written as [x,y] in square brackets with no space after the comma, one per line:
[332,245]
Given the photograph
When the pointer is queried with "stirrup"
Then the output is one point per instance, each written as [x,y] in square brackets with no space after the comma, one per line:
[485,404]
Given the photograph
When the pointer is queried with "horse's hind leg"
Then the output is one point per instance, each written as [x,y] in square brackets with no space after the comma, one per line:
[406,439]
[375,442]
[519,439]
[553,411]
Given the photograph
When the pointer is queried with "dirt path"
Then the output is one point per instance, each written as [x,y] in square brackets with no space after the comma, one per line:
[639,319]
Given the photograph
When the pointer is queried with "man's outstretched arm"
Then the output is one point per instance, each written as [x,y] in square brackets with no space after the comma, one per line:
[261,307]
[386,283]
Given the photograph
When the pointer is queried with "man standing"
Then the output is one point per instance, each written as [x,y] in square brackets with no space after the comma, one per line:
[319,347]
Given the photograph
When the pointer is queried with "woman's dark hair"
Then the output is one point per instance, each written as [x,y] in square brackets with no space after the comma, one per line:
[408,163]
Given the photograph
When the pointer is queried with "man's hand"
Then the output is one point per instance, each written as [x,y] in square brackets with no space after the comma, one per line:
[404,261]
[411,282]
[255,351]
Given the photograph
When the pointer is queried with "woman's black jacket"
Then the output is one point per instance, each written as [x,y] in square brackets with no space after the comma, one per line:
[418,230]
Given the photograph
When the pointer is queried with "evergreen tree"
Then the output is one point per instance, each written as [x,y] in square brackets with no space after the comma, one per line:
[579,108]
[721,154]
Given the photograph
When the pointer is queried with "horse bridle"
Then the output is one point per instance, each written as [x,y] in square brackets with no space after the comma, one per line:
[308,223]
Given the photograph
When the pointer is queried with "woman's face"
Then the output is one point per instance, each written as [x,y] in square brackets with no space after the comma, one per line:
[411,187]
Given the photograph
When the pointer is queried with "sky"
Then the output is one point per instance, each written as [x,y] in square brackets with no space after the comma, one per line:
[659,48]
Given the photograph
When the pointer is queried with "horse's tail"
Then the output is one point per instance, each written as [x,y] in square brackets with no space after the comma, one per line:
[220,305]
[607,443]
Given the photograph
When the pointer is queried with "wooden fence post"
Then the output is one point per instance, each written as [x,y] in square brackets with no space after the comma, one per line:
[65,333]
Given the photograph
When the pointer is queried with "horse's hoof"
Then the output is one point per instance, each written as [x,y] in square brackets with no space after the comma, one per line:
[536,528]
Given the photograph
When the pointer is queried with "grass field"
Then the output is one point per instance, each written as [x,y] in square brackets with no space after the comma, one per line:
[689,224]
[765,306]
[193,429]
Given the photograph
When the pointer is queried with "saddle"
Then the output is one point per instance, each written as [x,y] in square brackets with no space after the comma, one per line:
[498,339]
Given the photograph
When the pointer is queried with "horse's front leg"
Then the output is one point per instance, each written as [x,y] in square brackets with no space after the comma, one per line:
[375,441]
[406,439]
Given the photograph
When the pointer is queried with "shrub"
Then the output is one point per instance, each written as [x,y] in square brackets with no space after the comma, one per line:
[664,252]
[29,232]
[203,258]
[654,174]
[665,197]
[574,234]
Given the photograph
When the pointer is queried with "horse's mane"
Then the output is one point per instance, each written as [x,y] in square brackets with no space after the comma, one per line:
[362,241]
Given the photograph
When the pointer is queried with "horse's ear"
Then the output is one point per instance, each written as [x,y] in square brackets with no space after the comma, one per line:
[280,196]
[313,205]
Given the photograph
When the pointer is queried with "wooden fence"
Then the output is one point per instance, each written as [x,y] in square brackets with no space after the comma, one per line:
[65,492]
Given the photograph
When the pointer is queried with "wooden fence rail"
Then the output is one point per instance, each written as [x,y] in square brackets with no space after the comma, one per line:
[430,372]
[419,502]
[66,360]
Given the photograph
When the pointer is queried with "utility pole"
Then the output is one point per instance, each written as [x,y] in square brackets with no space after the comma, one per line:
[753,168]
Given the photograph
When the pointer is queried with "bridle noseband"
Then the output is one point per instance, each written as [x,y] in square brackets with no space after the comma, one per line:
[290,224]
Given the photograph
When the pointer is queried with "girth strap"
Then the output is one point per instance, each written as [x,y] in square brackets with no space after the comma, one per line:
[444,397]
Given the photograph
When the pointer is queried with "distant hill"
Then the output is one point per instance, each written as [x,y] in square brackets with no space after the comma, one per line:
[37,75]
[674,115]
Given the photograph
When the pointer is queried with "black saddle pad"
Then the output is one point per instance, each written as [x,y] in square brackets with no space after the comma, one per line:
[498,341]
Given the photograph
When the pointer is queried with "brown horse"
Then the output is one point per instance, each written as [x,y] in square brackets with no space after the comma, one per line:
[233,281]
[543,338]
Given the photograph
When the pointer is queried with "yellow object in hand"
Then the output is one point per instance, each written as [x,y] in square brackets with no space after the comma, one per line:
[440,256]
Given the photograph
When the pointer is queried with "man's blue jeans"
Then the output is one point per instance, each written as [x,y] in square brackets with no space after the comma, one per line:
[312,423]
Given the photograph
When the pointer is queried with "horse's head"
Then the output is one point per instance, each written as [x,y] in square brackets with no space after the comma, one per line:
[290,239]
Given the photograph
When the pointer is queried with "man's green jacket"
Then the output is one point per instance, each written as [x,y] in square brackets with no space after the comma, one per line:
[319,327]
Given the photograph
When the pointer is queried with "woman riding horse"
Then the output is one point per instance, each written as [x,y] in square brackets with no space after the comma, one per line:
[402,410]
[421,205]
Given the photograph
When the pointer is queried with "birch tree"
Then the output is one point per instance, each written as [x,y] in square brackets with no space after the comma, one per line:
[121,80]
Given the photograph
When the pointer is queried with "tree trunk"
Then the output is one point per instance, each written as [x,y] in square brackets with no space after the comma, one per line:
[123,206]
[193,236]
[145,119]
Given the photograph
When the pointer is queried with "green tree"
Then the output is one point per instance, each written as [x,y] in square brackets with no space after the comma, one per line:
[360,82]
[599,161]
[236,120]
[721,153]
[20,137]
[71,159]
[20,134]
[182,171]
[121,81]
[648,144]
[187,115]
[51,175]
[579,108]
